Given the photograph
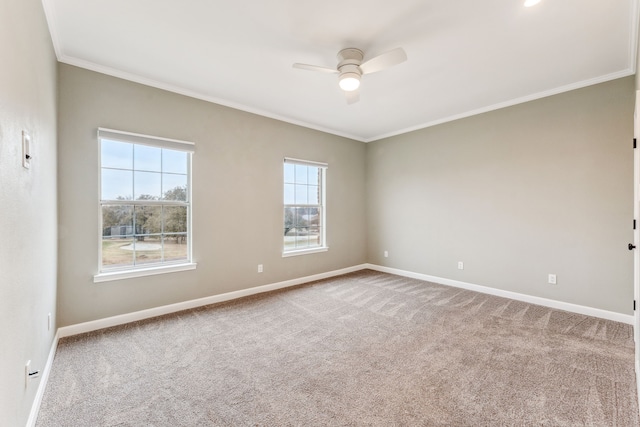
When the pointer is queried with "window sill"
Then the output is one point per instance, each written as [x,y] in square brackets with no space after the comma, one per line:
[130,274]
[304,251]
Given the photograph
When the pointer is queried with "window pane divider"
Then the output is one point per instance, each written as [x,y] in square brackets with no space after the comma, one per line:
[144,202]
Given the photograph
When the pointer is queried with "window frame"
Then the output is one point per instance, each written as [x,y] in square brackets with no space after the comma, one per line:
[162,267]
[322,206]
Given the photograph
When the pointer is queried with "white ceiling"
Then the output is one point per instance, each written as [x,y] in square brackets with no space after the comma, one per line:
[465,56]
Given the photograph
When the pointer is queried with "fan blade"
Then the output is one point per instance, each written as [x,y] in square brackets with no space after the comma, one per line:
[315,68]
[353,96]
[385,60]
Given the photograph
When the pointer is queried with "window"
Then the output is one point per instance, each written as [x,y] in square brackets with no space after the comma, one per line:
[304,207]
[145,204]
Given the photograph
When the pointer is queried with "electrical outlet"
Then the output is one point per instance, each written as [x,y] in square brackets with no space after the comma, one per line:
[552,279]
[260,269]
[386,254]
[460,265]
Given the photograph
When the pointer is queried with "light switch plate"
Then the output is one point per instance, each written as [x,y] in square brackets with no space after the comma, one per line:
[26,150]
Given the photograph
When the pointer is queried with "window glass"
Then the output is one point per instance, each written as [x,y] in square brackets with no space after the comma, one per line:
[301,174]
[116,155]
[174,162]
[289,173]
[147,158]
[174,187]
[117,184]
[147,185]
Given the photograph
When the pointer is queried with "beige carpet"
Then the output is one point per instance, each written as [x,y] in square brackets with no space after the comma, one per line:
[366,348]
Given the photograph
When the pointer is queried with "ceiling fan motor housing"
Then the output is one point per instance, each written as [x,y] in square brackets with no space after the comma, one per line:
[350,60]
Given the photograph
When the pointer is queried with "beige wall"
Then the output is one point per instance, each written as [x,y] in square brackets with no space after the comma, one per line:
[543,187]
[237,191]
[27,203]
[518,193]
[638,59]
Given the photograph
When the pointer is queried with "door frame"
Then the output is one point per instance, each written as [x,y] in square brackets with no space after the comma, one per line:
[636,240]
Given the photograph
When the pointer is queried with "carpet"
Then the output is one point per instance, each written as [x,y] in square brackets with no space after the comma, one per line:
[366,348]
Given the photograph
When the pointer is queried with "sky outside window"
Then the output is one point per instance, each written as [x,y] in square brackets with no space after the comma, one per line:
[131,171]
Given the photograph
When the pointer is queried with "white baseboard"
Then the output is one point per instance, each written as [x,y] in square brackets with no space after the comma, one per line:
[44,378]
[574,308]
[637,378]
[94,325]
[186,305]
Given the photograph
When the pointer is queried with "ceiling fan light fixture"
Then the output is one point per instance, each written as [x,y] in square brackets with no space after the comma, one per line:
[350,69]
[349,81]
[529,3]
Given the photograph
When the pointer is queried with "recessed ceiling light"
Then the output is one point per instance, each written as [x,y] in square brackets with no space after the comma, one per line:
[529,3]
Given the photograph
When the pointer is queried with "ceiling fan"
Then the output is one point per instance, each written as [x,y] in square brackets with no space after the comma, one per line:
[351,68]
